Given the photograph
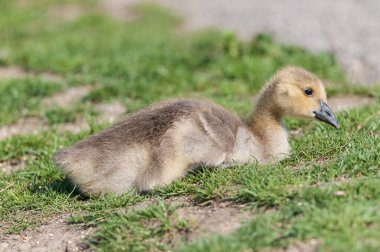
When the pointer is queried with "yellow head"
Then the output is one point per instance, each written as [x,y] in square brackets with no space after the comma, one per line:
[296,92]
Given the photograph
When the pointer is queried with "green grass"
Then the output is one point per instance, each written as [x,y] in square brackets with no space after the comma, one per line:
[152,228]
[20,96]
[145,61]
[59,115]
[343,223]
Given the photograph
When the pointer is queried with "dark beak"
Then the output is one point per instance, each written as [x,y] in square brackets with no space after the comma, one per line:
[326,115]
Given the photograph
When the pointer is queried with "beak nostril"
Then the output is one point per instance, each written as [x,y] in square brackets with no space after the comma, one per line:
[326,115]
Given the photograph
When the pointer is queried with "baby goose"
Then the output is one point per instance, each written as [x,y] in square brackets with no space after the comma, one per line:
[164,141]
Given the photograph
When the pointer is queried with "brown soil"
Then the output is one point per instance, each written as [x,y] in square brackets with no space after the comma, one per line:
[67,98]
[65,12]
[216,218]
[110,112]
[212,218]
[74,127]
[35,125]
[29,125]
[119,9]
[57,235]
[16,72]
[9,166]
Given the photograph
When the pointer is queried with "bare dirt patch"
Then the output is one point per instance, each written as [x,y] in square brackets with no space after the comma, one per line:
[11,72]
[211,218]
[338,181]
[178,201]
[119,9]
[65,12]
[205,220]
[346,102]
[110,112]
[28,125]
[68,97]
[216,218]
[9,166]
[74,127]
[16,72]
[36,125]
[57,235]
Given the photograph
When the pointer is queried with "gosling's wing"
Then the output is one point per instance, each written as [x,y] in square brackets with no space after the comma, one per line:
[221,125]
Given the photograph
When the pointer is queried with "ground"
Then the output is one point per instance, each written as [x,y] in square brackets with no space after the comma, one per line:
[70,68]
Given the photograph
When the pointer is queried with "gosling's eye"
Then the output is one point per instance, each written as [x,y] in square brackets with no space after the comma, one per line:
[308,91]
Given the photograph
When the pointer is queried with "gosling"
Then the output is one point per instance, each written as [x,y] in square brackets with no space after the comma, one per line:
[161,143]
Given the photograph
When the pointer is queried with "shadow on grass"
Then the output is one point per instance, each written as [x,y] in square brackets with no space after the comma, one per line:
[185,186]
[66,186]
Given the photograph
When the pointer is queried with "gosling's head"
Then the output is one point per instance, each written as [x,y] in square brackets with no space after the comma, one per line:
[300,93]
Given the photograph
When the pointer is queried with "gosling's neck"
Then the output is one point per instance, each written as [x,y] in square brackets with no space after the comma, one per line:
[266,124]
[267,115]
